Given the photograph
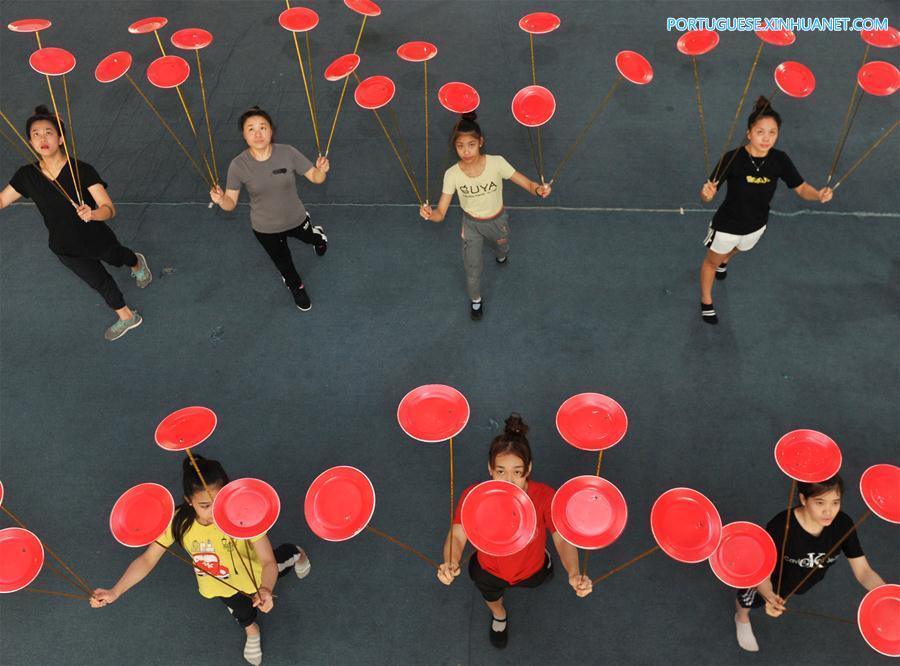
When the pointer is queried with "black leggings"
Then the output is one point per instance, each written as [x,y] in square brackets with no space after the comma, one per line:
[240,606]
[92,272]
[277,248]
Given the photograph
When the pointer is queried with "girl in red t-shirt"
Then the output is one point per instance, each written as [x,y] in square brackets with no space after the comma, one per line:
[509,459]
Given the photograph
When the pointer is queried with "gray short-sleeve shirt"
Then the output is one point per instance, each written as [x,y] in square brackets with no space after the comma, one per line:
[274,203]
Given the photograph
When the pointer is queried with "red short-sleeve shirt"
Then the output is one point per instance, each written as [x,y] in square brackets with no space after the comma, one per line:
[524,564]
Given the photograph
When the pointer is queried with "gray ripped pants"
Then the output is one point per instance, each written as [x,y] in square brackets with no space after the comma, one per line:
[474,234]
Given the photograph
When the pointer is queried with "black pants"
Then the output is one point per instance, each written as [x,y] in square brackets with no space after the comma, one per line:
[491,587]
[277,248]
[92,272]
[240,606]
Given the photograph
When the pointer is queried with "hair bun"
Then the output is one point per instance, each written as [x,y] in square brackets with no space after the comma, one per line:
[761,103]
[41,110]
[470,116]
[515,425]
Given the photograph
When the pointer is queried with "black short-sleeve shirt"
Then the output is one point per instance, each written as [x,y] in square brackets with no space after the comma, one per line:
[69,234]
[804,551]
[749,191]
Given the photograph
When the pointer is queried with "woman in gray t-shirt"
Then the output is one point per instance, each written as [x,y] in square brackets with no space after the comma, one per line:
[268,171]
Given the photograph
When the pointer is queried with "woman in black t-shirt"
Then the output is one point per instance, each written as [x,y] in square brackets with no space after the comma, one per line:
[78,234]
[752,172]
[816,526]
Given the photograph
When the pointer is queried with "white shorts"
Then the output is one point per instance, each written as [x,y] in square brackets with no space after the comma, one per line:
[722,243]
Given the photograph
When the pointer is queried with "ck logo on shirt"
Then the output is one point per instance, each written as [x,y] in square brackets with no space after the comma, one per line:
[478,190]
[812,561]
[758,180]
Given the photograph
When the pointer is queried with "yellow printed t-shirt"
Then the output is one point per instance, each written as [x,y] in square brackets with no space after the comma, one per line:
[215,552]
[482,196]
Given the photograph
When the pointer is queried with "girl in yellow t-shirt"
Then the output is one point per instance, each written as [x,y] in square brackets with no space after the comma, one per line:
[478,180]
[193,528]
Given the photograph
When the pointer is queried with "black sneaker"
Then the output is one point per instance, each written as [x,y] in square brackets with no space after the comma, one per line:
[502,261]
[721,271]
[708,313]
[499,638]
[322,245]
[476,310]
[301,298]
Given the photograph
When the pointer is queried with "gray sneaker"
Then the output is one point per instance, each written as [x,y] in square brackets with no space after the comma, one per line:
[142,275]
[122,326]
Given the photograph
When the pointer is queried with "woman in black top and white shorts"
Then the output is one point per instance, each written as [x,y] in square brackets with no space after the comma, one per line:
[752,172]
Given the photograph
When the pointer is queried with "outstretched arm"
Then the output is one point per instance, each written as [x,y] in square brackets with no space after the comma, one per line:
[568,555]
[449,569]
[8,196]
[264,600]
[317,174]
[809,193]
[134,574]
[429,213]
[530,186]
[864,573]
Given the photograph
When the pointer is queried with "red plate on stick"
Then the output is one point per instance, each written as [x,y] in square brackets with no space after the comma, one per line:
[29,25]
[21,559]
[883,39]
[697,42]
[879,619]
[168,71]
[539,23]
[498,518]
[342,67]
[591,422]
[589,512]
[417,51]
[192,38]
[185,428]
[686,525]
[52,61]
[458,97]
[113,66]
[808,456]
[1,493]
[533,106]
[374,92]
[880,489]
[634,67]
[746,556]
[364,7]
[145,25]
[433,413]
[246,508]
[298,19]
[795,79]
[141,515]
[776,37]
[879,78]
[339,503]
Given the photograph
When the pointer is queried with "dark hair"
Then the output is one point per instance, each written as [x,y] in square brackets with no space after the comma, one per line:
[511,440]
[465,125]
[810,490]
[256,111]
[762,109]
[43,113]
[214,475]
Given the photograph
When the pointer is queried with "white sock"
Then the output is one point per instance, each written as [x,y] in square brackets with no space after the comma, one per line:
[476,305]
[498,625]
[253,650]
[745,637]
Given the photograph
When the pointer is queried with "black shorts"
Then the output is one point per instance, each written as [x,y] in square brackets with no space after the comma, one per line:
[240,606]
[491,587]
[750,598]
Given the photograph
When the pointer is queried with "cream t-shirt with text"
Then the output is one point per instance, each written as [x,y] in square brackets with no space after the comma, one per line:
[480,197]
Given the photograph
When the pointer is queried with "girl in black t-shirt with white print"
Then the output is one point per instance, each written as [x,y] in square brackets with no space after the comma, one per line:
[816,526]
[752,172]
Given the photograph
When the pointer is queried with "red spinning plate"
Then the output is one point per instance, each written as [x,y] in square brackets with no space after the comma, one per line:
[879,619]
[795,79]
[539,23]
[298,19]
[776,37]
[113,66]
[364,7]
[879,78]
[1,493]
[458,97]
[246,508]
[746,556]
[591,422]
[29,25]
[498,518]
[686,525]
[168,71]
[21,559]
[880,489]
[192,38]
[339,503]
[145,25]
[634,67]
[141,515]
[417,51]
[185,428]
[883,39]
[342,67]
[697,42]
[374,92]
[433,413]
[589,512]
[52,61]
[533,106]
[808,456]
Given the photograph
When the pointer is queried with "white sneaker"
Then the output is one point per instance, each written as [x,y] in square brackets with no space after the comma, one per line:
[302,565]
[745,637]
